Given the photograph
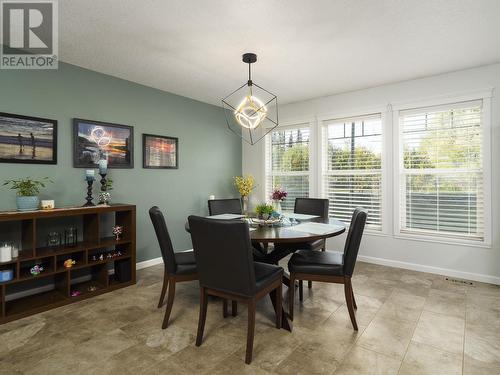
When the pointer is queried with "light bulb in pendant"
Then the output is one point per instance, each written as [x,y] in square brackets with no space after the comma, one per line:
[250,112]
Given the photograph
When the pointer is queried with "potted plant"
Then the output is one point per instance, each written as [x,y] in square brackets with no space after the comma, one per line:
[27,192]
[264,211]
[278,195]
[104,195]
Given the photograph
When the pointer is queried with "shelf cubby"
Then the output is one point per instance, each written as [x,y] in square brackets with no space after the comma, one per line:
[28,294]
[78,256]
[48,264]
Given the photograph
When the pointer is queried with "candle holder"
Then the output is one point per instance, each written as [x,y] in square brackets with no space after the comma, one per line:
[103,196]
[89,197]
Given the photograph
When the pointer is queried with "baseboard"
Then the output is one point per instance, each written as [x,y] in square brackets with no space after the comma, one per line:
[430,269]
[148,263]
[391,263]
[153,262]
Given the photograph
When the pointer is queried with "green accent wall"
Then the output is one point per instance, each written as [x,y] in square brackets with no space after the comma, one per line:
[209,154]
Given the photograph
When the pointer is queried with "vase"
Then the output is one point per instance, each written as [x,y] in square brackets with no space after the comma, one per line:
[244,204]
[277,206]
[30,203]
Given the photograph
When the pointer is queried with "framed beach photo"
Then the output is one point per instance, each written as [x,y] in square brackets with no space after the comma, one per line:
[160,152]
[93,140]
[25,139]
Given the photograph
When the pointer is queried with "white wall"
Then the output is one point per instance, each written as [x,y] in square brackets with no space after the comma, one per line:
[470,262]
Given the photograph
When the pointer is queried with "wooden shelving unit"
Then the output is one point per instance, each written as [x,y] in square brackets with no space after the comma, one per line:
[26,294]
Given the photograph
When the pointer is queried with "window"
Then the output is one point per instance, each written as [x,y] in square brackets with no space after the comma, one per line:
[287,163]
[441,171]
[352,167]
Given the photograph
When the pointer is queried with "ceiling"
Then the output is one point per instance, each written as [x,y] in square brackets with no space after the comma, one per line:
[306,49]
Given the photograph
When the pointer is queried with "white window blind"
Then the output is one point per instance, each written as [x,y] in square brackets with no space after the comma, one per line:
[441,171]
[287,163]
[352,167]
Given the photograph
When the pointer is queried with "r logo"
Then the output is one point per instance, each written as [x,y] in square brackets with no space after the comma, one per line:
[27,28]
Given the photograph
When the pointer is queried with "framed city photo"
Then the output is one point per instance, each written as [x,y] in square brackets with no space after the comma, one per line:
[160,152]
[93,140]
[25,139]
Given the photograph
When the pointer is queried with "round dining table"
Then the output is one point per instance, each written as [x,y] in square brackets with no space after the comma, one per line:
[292,233]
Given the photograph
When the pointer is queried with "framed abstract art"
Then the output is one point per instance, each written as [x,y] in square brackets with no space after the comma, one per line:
[160,152]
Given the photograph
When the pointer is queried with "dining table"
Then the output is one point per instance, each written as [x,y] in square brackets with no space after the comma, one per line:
[283,233]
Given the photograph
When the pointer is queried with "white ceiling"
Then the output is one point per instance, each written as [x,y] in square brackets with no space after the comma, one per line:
[305,48]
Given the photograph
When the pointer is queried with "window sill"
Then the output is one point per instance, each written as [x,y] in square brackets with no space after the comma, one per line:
[446,241]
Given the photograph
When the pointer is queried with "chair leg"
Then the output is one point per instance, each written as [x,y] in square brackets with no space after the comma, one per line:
[349,301]
[170,303]
[309,284]
[279,305]
[291,296]
[234,308]
[224,308]
[203,316]
[250,330]
[301,291]
[353,299]
[163,289]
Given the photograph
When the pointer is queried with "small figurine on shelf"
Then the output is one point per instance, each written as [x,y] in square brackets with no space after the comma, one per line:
[117,231]
[37,269]
[69,263]
[101,257]
[94,258]
[75,293]
[92,288]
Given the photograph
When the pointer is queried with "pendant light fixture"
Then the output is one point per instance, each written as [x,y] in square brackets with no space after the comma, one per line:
[251,111]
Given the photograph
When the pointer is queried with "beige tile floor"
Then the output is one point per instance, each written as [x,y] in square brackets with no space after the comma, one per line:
[409,323]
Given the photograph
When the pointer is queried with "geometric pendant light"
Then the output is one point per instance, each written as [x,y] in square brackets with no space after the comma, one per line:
[251,111]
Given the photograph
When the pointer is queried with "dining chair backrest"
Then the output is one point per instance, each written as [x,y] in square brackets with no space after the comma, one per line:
[167,250]
[224,206]
[223,255]
[353,239]
[312,206]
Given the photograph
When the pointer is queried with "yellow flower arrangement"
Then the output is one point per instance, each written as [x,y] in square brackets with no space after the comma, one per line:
[244,184]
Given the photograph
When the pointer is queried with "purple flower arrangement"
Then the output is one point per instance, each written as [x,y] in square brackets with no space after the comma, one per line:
[278,194]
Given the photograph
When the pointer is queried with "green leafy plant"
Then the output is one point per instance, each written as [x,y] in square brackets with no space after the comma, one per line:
[109,184]
[264,209]
[27,187]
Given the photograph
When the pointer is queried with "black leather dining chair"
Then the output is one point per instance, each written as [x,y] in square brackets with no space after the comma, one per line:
[226,268]
[312,206]
[331,267]
[224,206]
[179,266]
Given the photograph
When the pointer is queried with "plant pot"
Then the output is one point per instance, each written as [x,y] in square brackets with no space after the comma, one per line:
[277,206]
[27,203]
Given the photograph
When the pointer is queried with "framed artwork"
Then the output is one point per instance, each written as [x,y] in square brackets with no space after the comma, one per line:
[160,152]
[93,139]
[25,139]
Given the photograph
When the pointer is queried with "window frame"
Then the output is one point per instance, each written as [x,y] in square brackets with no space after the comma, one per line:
[397,150]
[385,160]
[283,126]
